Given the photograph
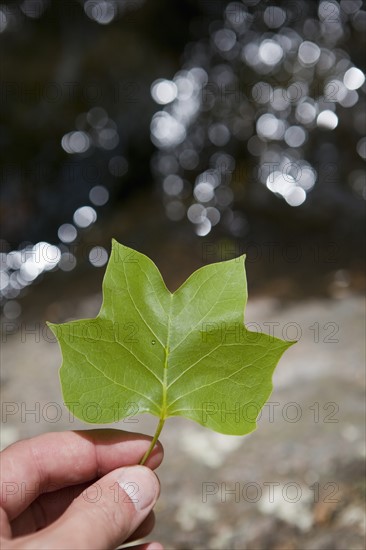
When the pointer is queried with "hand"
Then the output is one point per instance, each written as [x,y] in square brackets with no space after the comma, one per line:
[78,490]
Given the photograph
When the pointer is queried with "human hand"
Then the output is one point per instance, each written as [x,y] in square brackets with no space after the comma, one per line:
[65,491]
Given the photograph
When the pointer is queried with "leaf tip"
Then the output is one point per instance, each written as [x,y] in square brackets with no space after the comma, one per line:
[52,327]
[290,343]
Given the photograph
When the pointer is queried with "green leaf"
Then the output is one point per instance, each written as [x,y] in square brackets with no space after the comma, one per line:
[183,354]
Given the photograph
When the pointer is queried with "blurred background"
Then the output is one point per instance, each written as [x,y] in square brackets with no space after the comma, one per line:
[196,131]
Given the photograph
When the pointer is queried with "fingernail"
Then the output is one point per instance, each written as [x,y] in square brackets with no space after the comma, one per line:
[140,484]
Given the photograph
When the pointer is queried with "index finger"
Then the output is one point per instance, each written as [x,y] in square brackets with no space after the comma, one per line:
[51,461]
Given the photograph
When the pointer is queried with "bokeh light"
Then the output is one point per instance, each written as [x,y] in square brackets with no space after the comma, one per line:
[98,256]
[67,233]
[85,216]
[257,89]
[102,11]
[163,91]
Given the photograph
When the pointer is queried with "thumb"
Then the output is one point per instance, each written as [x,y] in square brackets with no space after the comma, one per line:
[105,514]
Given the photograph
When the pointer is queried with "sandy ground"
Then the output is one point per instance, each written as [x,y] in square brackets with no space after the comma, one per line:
[295,483]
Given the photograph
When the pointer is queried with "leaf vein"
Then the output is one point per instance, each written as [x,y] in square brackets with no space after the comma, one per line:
[137,309]
[114,381]
[202,318]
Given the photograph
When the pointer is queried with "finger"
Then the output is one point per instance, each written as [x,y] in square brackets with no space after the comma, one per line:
[105,515]
[144,529]
[148,546]
[5,529]
[55,460]
[48,507]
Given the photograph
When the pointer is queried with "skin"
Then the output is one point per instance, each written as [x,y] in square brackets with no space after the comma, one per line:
[64,491]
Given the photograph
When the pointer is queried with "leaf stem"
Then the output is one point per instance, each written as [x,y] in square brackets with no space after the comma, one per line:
[152,445]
